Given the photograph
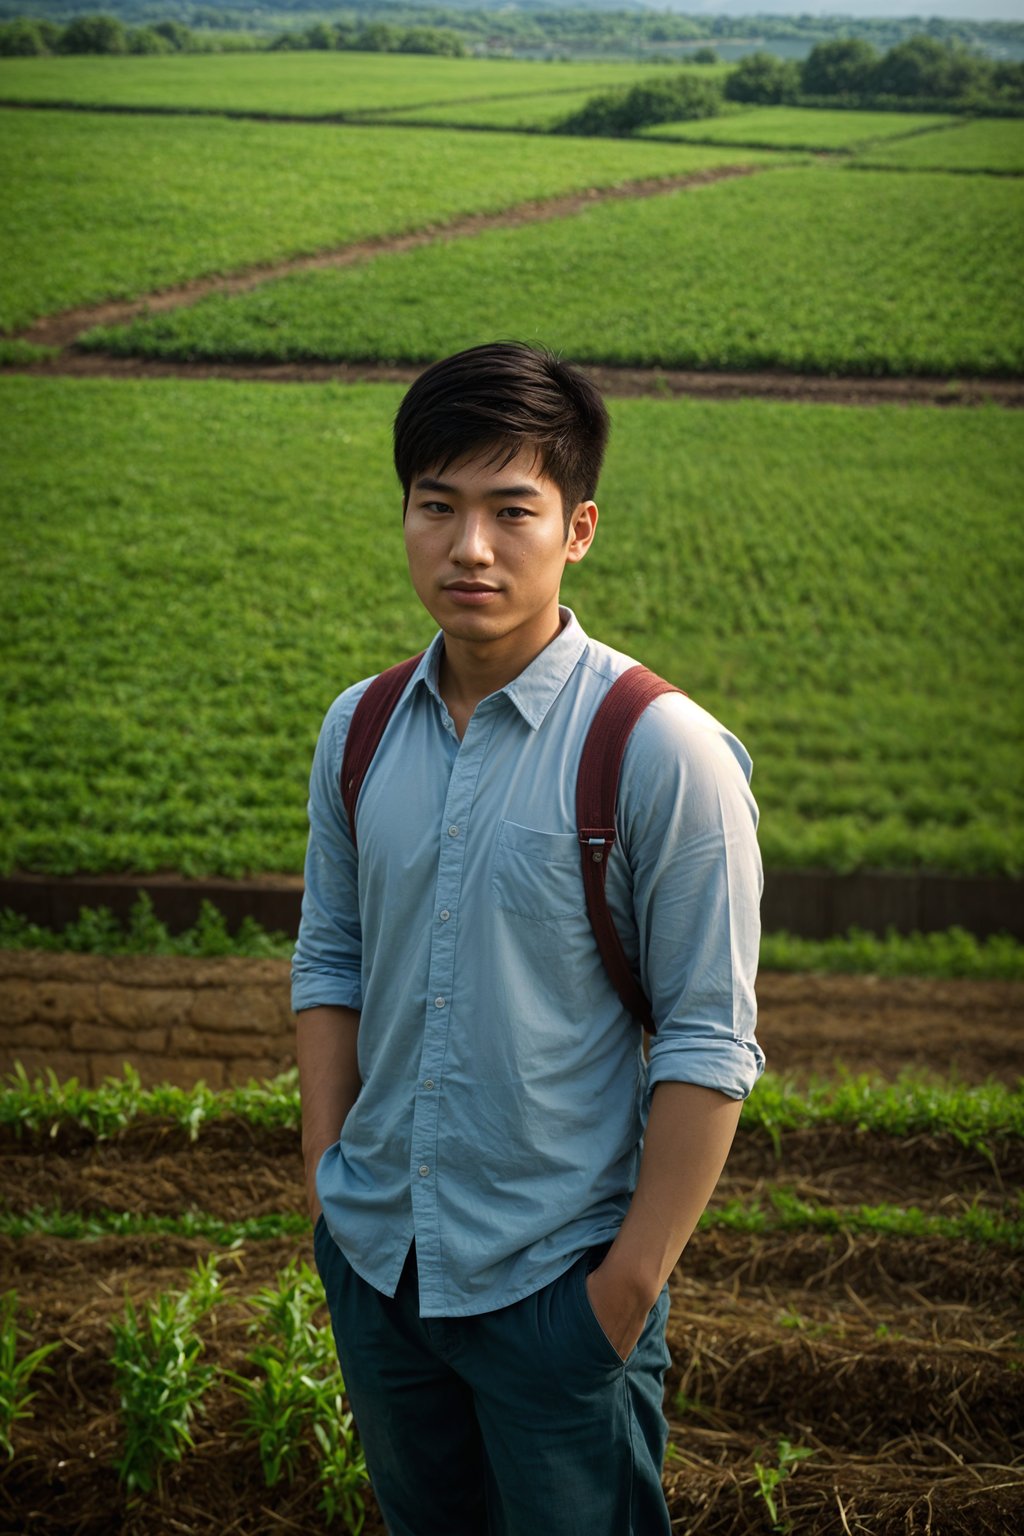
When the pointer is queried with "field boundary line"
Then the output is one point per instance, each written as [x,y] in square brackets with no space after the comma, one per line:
[63,328]
[617,382]
[810,903]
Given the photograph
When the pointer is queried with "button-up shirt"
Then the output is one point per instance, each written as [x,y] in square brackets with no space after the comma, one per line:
[504,1086]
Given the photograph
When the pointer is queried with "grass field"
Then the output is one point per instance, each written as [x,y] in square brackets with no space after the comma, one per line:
[799,128]
[193,571]
[988,144]
[102,207]
[303,84]
[858,274]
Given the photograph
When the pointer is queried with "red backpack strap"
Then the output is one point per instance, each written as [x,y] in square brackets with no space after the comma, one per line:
[368,724]
[597,785]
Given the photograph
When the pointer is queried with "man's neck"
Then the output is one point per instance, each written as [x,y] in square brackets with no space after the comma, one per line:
[470,671]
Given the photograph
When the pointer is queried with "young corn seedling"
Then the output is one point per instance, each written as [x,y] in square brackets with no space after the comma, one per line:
[278,1398]
[298,1389]
[159,1377]
[769,1479]
[14,1373]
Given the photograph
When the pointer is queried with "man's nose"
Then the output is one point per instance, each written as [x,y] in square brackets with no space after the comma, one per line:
[471,544]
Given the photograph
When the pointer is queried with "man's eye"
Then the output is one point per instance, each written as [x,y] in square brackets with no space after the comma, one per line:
[517,513]
[436,506]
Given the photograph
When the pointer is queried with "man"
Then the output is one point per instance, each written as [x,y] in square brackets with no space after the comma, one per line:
[494,1224]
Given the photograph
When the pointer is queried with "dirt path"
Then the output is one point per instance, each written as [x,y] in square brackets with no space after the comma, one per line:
[657,383]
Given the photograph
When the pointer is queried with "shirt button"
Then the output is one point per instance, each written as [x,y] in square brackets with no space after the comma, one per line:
[444,915]
[438,1002]
[424,1170]
[429,1082]
[453,831]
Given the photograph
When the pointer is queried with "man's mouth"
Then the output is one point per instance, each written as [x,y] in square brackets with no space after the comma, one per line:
[470,592]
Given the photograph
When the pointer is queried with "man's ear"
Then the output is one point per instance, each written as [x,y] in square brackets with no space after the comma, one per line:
[582,527]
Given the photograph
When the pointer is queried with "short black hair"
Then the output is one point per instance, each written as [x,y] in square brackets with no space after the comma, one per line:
[501,398]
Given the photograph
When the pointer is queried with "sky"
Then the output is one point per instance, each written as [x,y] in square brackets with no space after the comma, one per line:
[972,10]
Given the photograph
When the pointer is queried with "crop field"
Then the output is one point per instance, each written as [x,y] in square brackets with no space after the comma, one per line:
[988,144]
[298,84]
[192,570]
[844,1331]
[800,128]
[193,196]
[864,274]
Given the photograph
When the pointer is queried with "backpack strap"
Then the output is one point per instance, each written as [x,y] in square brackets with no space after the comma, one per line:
[597,786]
[367,726]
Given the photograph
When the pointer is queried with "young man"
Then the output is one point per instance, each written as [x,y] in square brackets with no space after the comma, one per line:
[501,1184]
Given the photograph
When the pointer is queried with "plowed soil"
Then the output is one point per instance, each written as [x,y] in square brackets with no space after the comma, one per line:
[895,1361]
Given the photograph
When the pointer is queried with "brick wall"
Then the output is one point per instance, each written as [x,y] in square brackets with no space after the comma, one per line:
[176,1020]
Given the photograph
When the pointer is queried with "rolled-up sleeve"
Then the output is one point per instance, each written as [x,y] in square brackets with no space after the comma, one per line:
[327,964]
[691,839]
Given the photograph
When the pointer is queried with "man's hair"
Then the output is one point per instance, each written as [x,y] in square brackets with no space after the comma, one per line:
[499,399]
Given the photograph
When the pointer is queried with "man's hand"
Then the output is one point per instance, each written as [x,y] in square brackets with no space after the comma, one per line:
[689,1133]
[619,1306]
[328,1083]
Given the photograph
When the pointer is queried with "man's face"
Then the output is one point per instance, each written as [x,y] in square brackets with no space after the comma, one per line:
[487,547]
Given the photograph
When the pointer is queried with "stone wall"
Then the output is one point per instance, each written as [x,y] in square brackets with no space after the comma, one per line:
[176,1020]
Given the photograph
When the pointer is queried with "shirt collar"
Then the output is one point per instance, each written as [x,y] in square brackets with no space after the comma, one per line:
[537,687]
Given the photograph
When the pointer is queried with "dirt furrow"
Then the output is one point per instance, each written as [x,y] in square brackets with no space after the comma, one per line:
[163,1174]
[621,383]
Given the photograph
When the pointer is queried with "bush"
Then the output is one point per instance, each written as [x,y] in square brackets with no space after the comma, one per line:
[764,79]
[21,40]
[704,56]
[147,40]
[841,66]
[94,34]
[923,67]
[667,99]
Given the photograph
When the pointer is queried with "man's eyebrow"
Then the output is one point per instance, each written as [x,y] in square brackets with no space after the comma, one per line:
[427,483]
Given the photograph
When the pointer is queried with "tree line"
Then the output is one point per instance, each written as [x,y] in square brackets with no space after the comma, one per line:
[24,37]
[849,72]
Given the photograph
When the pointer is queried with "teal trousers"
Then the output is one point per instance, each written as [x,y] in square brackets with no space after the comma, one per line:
[519,1422]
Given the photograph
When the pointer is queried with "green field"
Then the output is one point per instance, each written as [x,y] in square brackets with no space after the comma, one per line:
[799,128]
[193,570]
[304,84]
[988,144]
[804,269]
[540,112]
[102,207]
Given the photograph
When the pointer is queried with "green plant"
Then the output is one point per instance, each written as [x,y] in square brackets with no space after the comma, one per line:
[297,1388]
[159,1378]
[14,1373]
[769,1479]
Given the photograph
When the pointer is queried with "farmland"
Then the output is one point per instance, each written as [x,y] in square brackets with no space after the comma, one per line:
[800,269]
[851,1291]
[984,145]
[300,85]
[195,196]
[800,128]
[194,566]
[803,594]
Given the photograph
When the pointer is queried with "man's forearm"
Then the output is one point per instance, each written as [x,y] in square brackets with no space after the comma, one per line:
[689,1132]
[328,1083]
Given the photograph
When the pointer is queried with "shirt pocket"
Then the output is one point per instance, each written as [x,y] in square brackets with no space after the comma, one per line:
[537,874]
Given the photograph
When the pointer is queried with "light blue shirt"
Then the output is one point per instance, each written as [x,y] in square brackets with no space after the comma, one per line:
[504,1087]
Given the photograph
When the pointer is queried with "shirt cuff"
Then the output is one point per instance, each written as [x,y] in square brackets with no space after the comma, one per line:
[313,991]
[731,1067]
